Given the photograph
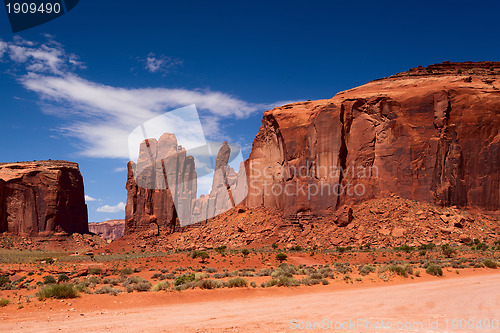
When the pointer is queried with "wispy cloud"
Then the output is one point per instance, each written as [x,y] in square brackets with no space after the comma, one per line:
[102,116]
[120,169]
[120,207]
[160,63]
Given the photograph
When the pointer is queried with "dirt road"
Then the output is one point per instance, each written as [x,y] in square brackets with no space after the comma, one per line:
[433,306]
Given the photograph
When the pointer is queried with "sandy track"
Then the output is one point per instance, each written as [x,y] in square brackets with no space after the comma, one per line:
[474,297]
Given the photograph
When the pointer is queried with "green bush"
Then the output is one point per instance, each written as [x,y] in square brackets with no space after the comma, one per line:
[405,248]
[62,278]
[49,260]
[434,269]
[221,249]
[281,257]
[200,254]
[185,278]
[4,279]
[94,271]
[245,252]
[428,246]
[59,291]
[49,279]
[447,250]
[275,246]
[237,282]
[4,302]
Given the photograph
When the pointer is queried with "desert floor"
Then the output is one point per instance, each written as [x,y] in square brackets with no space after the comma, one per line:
[449,304]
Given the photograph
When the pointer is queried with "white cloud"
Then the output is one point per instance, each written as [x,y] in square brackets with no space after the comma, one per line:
[88,198]
[102,116]
[161,63]
[120,169]
[120,207]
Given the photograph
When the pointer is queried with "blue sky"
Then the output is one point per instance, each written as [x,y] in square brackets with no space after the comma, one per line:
[66,86]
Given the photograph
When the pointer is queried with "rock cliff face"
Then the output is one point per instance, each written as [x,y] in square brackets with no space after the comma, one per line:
[111,230]
[429,135]
[43,197]
[162,187]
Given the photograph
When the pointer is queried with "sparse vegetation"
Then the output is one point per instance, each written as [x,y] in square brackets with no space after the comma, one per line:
[434,269]
[4,302]
[58,291]
[281,257]
[490,263]
[237,282]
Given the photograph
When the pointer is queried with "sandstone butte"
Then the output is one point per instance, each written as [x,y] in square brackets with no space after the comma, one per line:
[42,198]
[109,230]
[429,134]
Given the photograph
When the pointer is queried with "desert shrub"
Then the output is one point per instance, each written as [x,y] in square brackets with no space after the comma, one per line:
[59,291]
[342,268]
[93,280]
[127,271]
[366,269]
[49,279]
[402,270]
[417,273]
[237,282]
[185,278]
[62,278]
[447,250]
[342,249]
[136,283]
[296,248]
[163,285]
[4,302]
[265,272]
[434,269]
[49,260]
[95,271]
[221,249]
[307,281]
[422,252]
[210,284]
[158,276]
[170,276]
[490,263]
[81,288]
[211,270]
[4,279]
[275,246]
[220,275]
[405,248]
[284,270]
[187,285]
[281,257]
[428,246]
[245,252]
[108,290]
[286,281]
[200,254]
